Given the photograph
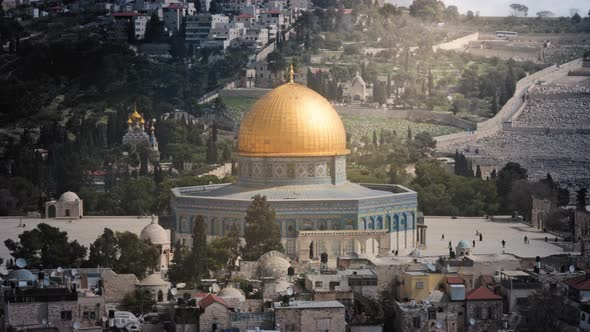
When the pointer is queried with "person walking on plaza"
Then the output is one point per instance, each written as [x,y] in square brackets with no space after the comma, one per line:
[526,240]
[503,244]
[480,237]
[442,237]
[473,243]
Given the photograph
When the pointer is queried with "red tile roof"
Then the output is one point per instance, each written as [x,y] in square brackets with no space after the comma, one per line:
[580,282]
[482,294]
[174,6]
[245,16]
[455,280]
[210,299]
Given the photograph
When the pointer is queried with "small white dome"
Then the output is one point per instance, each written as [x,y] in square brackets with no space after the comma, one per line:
[155,233]
[463,245]
[232,293]
[68,196]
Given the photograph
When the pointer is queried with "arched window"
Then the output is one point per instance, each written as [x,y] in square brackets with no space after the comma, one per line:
[160,296]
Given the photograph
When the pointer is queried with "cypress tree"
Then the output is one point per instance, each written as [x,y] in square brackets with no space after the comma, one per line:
[198,258]
[262,233]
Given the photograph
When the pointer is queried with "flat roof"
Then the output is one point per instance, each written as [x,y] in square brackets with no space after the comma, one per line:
[309,305]
[515,274]
[321,192]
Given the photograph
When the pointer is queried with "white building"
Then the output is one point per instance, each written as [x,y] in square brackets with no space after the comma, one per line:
[199,26]
[69,205]
[254,38]
[122,22]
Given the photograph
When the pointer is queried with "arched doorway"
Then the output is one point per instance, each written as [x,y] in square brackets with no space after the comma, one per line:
[160,296]
[311,251]
[51,211]
[372,246]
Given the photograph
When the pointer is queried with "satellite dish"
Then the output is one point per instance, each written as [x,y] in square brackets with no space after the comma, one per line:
[21,263]
[53,274]
[180,285]
[173,291]
[290,291]
[44,321]
[60,270]
[471,321]
[426,301]
[76,325]
[413,303]
[439,324]
[215,288]
[210,289]
[431,267]
[73,272]
[572,269]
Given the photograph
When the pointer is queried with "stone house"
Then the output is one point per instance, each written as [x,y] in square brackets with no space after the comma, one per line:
[52,307]
[484,309]
[540,212]
[216,315]
[69,205]
[326,316]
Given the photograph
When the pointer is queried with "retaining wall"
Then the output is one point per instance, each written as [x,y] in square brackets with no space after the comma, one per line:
[490,127]
[457,43]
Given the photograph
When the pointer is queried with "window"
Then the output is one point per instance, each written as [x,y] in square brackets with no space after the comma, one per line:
[490,313]
[323,324]
[432,313]
[319,284]
[416,322]
[420,284]
[66,315]
[478,313]
[91,315]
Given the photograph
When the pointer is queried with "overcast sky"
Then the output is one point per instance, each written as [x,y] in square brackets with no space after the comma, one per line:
[501,7]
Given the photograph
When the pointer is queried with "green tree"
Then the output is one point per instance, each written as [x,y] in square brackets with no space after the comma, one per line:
[276,62]
[222,252]
[198,257]
[138,301]
[211,152]
[47,247]
[104,250]
[178,271]
[136,256]
[519,10]
[262,233]
[508,175]
[154,30]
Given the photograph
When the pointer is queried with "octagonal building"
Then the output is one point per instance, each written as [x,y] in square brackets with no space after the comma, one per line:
[292,149]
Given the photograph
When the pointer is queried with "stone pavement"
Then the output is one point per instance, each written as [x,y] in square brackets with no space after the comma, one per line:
[513,233]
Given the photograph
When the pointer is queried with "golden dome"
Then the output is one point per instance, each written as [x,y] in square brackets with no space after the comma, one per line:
[135,116]
[291,121]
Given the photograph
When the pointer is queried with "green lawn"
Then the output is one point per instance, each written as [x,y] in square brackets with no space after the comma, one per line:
[238,105]
[358,126]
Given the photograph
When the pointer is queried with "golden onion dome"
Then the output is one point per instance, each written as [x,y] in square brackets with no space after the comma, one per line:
[129,121]
[292,121]
[135,116]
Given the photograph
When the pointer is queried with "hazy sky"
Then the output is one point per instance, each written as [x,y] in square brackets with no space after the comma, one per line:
[501,7]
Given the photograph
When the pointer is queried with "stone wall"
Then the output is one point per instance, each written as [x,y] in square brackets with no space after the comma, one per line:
[485,309]
[35,313]
[116,286]
[215,312]
[295,319]
[251,320]
[490,127]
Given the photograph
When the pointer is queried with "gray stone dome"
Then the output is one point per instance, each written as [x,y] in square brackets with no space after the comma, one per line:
[68,196]
[273,264]
[463,245]
[155,233]
[232,293]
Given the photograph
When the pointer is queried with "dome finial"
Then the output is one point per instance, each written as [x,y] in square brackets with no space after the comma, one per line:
[291,73]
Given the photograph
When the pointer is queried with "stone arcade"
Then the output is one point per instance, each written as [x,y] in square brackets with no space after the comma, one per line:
[292,149]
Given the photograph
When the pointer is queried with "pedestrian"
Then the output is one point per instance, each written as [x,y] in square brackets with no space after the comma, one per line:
[480,237]
[503,244]
[450,245]
[546,239]
[556,239]
[526,240]
[476,232]
[442,237]
[473,243]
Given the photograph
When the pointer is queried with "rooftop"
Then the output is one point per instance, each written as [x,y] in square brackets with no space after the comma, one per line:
[482,294]
[580,282]
[309,305]
[324,192]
